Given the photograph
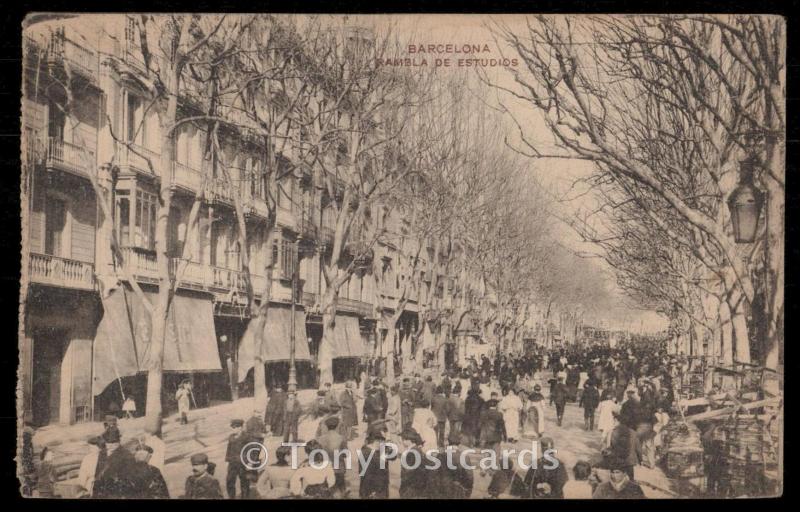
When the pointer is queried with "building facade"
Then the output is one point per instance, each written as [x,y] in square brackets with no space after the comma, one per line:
[87,127]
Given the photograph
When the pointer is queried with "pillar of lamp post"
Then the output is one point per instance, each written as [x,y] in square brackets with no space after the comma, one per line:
[292,384]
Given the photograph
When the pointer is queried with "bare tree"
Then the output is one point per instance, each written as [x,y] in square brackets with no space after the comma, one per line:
[660,88]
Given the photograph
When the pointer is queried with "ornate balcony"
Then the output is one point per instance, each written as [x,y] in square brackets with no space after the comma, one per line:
[196,276]
[61,272]
[140,264]
[186,177]
[69,157]
[354,306]
[136,158]
[307,228]
[65,51]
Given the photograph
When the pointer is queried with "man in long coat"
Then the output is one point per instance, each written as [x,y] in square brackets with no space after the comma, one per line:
[200,484]
[407,398]
[374,471]
[547,478]
[349,413]
[113,479]
[473,407]
[559,398]
[373,406]
[439,406]
[452,481]
[148,482]
[492,426]
[273,416]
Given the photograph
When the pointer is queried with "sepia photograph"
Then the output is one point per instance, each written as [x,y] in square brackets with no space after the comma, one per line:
[401,256]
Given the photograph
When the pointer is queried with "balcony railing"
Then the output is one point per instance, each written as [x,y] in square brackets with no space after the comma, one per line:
[186,176]
[354,306]
[142,265]
[307,227]
[70,157]
[137,156]
[63,49]
[132,55]
[62,272]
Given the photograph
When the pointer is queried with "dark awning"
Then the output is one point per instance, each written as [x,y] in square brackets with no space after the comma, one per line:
[277,339]
[122,343]
[347,341]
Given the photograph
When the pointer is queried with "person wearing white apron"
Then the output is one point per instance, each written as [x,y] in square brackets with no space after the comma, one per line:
[510,407]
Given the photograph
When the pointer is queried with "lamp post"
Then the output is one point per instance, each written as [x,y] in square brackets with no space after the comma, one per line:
[745,203]
[292,384]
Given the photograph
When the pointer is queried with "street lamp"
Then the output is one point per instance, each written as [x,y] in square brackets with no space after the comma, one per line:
[297,252]
[745,204]
[292,384]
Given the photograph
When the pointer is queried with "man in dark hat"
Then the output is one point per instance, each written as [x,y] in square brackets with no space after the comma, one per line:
[439,407]
[349,414]
[546,478]
[373,406]
[200,484]
[619,486]
[233,456]
[407,399]
[148,482]
[113,480]
[276,407]
[373,470]
[451,480]
[492,426]
[446,383]
[630,412]
[590,399]
[558,397]
[414,481]
[330,396]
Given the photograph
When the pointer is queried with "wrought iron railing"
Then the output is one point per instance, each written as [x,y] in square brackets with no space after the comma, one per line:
[70,156]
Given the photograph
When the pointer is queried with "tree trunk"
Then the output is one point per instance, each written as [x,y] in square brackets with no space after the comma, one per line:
[325,356]
[260,395]
[740,329]
[389,341]
[153,407]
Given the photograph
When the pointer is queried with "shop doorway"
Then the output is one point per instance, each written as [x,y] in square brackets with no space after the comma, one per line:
[48,353]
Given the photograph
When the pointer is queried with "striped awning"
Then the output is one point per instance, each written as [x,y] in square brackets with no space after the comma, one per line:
[347,340]
[122,343]
[277,338]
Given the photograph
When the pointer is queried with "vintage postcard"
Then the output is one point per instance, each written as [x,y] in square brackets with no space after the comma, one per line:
[402,256]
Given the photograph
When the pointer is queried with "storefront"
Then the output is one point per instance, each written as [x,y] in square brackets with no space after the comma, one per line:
[348,348]
[276,348]
[122,349]
[56,355]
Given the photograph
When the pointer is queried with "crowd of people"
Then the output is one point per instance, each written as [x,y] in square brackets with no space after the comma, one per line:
[625,393]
